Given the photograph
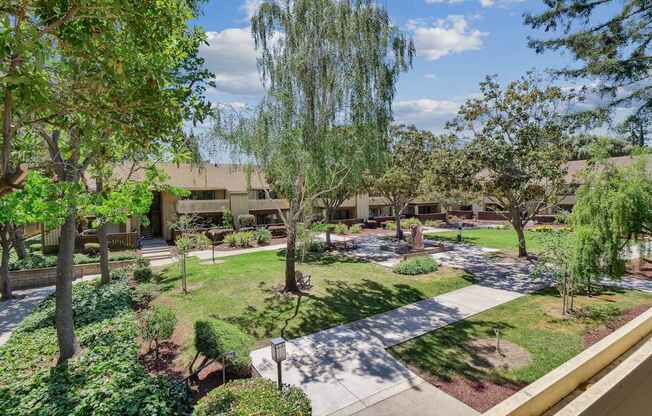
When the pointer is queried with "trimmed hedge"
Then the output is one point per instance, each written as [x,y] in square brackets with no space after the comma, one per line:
[38,261]
[253,397]
[214,338]
[105,379]
[416,265]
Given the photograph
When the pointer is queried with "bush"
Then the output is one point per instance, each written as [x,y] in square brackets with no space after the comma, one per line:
[33,261]
[35,247]
[263,236]
[125,256]
[157,324]
[145,293]
[415,266]
[253,397]
[390,225]
[562,217]
[406,224]
[214,338]
[434,223]
[231,240]
[341,229]
[244,238]
[143,274]
[119,274]
[355,229]
[319,227]
[246,221]
[106,379]
[92,249]
[599,312]
[542,229]
[142,262]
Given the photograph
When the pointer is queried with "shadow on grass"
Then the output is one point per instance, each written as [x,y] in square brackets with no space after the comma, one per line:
[448,352]
[342,302]
[323,258]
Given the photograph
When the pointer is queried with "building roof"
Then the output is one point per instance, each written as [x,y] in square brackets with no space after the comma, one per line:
[575,166]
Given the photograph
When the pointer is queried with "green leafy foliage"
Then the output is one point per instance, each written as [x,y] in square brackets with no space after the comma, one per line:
[244,238]
[214,338]
[341,229]
[246,221]
[355,229]
[253,397]
[231,240]
[157,324]
[145,293]
[416,265]
[143,274]
[37,261]
[263,236]
[105,379]
[92,249]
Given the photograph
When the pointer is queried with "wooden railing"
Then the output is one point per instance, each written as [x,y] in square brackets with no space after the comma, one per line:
[117,241]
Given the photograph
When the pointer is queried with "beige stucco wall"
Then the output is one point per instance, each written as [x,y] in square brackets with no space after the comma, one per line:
[168,213]
[362,206]
[239,204]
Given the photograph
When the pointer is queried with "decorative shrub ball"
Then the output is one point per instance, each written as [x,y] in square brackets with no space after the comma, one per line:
[92,249]
[254,397]
[417,265]
[143,274]
[214,338]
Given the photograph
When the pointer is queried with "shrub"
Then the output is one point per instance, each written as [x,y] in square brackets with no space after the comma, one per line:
[92,249]
[145,293]
[263,236]
[214,338]
[231,239]
[227,219]
[415,266]
[341,228]
[106,379]
[33,261]
[319,227]
[406,224]
[542,229]
[246,221]
[119,274]
[142,262]
[79,258]
[157,324]
[143,274]
[244,238]
[390,225]
[125,256]
[355,229]
[434,223]
[562,217]
[253,397]
[35,247]
[599,312]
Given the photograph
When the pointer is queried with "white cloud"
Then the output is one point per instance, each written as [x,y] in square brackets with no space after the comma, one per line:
[483,3]
[250,7]
[445,36]
[425,113]
[231,56]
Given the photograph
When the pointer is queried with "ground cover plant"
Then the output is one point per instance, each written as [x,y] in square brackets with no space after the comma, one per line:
[37,261]
[105,379]
[249,288]
[534,333]
[417,265]
[489,237]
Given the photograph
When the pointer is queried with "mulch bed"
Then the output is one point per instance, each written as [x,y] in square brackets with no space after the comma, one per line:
[225,247]
[597,334]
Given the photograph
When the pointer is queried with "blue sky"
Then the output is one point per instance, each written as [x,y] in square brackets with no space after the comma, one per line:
[458,43]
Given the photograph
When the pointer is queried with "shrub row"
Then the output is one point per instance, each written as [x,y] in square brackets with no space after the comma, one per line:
[105,379]
[38,261]
[246,238]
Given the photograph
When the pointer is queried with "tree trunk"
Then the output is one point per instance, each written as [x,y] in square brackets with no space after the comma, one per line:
[103,242]
[19,242]
[5,281]
[104,253]
[518,227]
[290,251]
[68,345]
[184,282]
[397,217]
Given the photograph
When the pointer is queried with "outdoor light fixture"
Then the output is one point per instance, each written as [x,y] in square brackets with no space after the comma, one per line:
[229,355]
[279,355]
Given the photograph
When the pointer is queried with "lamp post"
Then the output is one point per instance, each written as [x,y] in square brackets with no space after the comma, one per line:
[229,355]
[279,355]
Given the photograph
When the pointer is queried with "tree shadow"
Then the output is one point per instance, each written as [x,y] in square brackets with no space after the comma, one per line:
[325,258]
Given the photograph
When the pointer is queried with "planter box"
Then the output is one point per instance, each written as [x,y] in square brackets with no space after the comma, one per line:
[28,279]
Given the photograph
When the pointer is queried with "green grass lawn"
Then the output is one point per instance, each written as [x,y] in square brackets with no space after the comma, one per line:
[533,322]
[245,290]
[493,238]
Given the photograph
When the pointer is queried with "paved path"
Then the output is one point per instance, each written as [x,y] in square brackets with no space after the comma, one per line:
[14,311]
[347,369]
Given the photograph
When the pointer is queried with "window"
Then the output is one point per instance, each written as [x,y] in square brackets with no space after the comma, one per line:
[380,211]
[428,209]
[343,214]
[207,195]
[261,194]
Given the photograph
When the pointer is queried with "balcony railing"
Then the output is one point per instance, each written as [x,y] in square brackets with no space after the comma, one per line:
[267,204]
[199,206]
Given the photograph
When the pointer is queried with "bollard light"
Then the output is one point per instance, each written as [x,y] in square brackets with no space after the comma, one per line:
[279,355]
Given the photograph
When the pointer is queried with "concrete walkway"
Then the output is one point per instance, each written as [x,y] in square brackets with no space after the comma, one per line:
[347,369]
[14,311]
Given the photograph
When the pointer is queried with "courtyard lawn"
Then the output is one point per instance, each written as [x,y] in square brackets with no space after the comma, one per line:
[451,359]
[502,239]
[245,290]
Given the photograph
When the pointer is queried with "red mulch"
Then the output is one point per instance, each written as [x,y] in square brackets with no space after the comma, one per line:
[597,334]
[164,365]
[481,395]
[225,247]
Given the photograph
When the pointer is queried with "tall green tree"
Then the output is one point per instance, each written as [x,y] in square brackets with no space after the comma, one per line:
[325,63]
[127,88]
[613,212]
[636,127]
[401,180]
[516,146]
[609,38]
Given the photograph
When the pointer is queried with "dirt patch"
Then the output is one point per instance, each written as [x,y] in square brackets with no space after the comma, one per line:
[164,363]
[481,395]
[597,334]
[487,357]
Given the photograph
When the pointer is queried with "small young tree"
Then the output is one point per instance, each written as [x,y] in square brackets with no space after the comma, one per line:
[517,146]
[556,259]
[188,239]
[156,325]
[612,214]
[325,63]
[401,182]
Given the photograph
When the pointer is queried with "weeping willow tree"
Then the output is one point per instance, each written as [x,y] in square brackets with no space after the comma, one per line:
[613,213]
[324,64]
